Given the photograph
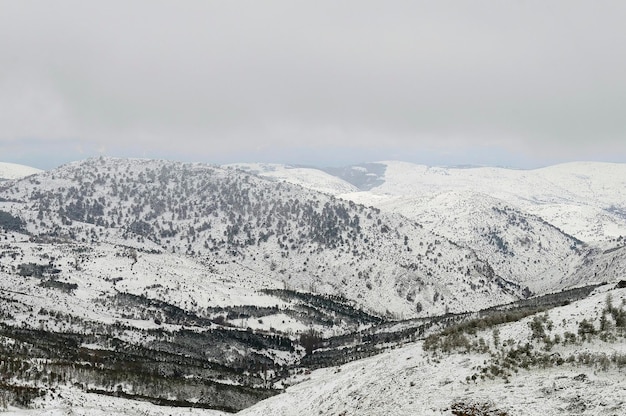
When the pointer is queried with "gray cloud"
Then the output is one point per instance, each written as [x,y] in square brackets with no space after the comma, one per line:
[535,80]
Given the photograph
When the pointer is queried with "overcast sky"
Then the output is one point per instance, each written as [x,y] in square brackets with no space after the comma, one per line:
[518,83]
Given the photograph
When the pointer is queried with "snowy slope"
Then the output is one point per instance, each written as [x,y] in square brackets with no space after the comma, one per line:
[576,181]
[528,224]
[15,171]
[499,213]
[254,228]
[521,247]
[584,199]
[138,310]
[104,270]
[71,401]
[606,264]
[171,258]
[306,177]
[410,381]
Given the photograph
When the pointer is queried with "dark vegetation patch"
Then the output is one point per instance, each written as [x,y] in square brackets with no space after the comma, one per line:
[149,371]
[9,222]
[331,305]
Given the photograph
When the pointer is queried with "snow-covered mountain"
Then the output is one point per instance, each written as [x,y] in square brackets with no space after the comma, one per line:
[188,284]
[530,225]
[15,171]
[584,199]
[521,247]
[431,249]
[251,227]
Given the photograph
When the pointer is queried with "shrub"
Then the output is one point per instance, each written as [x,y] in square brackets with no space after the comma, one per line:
[586,329]
[475,409]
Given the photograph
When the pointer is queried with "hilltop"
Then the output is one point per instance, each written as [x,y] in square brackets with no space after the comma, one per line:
[15,171]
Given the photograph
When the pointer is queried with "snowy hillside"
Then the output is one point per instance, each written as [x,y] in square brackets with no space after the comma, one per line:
[254,228]
[528,224]
[585,199]
[566,361]
[608,264]
[72,401]
[520,247]
[15,171]
[134,323]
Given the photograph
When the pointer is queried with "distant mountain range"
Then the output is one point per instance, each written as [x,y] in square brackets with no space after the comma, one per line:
[585,199]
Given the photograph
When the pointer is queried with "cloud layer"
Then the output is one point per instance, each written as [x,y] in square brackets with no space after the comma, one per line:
[225,80]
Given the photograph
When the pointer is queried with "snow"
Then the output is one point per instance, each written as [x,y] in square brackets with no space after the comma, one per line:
[576,197]
[366,268]
[270,322]
[310,178]
[585,200]
[15,171]
[405,382]
[179,280]
[409,381]
[71,401]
